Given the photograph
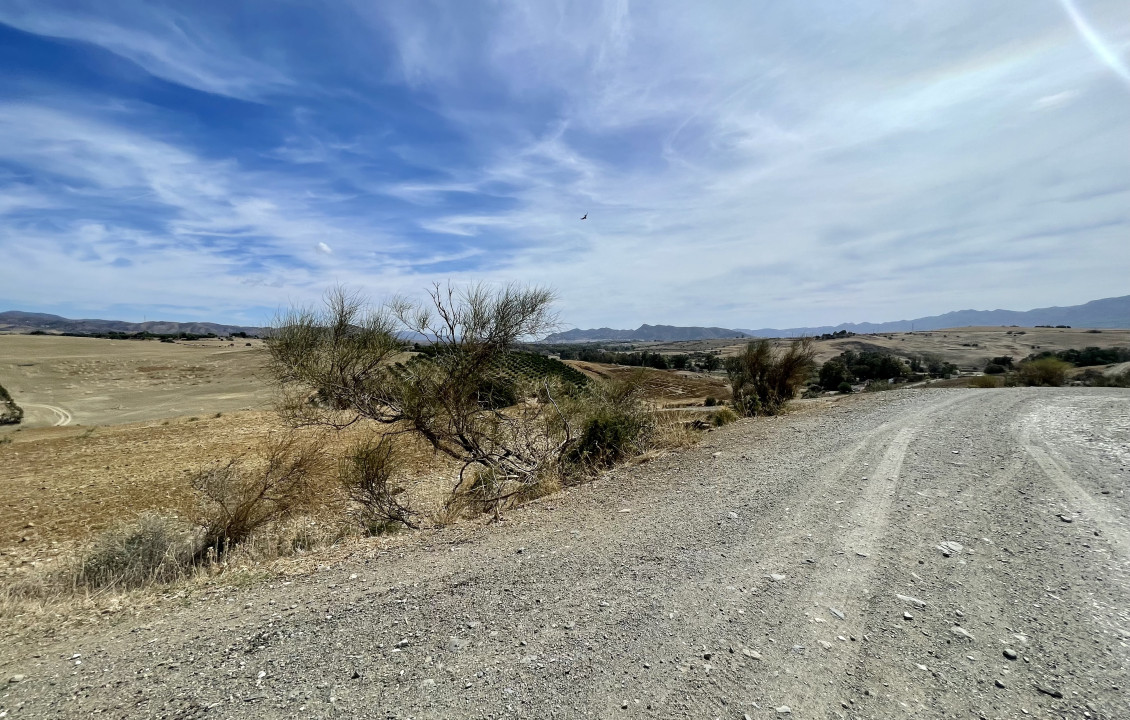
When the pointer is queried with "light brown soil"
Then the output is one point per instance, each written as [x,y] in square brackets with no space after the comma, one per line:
[99,382]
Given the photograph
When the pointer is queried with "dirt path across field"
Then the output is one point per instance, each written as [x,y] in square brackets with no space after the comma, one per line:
[918,553]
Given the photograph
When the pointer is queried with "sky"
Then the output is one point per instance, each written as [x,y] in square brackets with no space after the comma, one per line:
[742,164]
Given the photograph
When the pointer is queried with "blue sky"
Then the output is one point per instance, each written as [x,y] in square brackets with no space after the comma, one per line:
[743,164]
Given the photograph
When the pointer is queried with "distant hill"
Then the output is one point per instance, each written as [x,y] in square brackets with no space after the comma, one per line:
[1106,313]
[657,333]
[14,321]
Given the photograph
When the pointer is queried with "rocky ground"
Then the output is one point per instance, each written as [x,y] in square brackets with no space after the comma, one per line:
[920,553]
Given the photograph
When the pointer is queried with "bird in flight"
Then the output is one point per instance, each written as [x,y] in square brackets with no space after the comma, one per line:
[586,217]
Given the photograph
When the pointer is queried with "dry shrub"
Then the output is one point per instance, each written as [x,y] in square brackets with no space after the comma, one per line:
[725,416]
[614,423]
[151,549]
[764,380]
[240,497]
[367,475]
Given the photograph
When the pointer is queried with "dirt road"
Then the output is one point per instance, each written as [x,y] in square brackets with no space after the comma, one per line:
[921,553]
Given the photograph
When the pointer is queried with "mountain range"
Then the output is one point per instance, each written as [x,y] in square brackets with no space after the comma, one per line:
[15,321]
[1106,313]
[658,333]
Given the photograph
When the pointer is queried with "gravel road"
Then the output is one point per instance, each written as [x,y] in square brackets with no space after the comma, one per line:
[919,553]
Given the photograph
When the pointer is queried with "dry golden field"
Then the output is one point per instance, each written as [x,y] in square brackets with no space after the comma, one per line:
[969,348]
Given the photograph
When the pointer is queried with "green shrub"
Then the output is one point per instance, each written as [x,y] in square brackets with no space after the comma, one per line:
[844,388]
[994,369]
[710,402]
[984,381]
[722,417]
[763,380]
[1045,371]
[151,549]
[614,423]
[10,412]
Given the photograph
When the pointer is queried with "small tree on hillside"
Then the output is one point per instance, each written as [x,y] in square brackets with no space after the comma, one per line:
[347,357]
[764,379]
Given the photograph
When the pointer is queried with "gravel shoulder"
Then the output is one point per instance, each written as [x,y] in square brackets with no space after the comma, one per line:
[917,553]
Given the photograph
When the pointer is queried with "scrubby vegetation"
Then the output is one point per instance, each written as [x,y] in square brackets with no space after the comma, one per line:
[765,379]
[510,420]
[597,353]
[10,412]
[985,381]
[240,496]
[1048,371]
[1088,356]
[150,549]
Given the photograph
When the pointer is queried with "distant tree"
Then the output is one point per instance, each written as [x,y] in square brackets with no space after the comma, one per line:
[833,373]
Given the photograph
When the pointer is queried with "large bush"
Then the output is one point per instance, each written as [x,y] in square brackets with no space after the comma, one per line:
[510,420]
[1050,371]
[613,421]
[764,379]
[10,412]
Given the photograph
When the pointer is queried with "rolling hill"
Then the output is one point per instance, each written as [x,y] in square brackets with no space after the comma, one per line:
[15,321]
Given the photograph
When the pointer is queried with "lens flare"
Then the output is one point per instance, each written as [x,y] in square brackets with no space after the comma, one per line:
[1108,56]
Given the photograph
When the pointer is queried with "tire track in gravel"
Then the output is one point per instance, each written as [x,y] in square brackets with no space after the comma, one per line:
[1019,583]
[803,550]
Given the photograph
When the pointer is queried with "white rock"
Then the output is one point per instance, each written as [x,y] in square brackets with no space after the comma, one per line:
[775,577]
[784,710]
[961,632]
[912,600]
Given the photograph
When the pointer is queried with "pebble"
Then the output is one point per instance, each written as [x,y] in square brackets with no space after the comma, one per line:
[1066,518]
[733,516]
[17,679]
[775,577]
[837,613]
[912,600]
[1010,653]
[402,643]
[998,683]
[906,615]
[784,710]
[751,653]
[961,632]
[950,547]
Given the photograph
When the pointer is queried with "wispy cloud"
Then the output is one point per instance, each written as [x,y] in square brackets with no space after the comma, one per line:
[739,165]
